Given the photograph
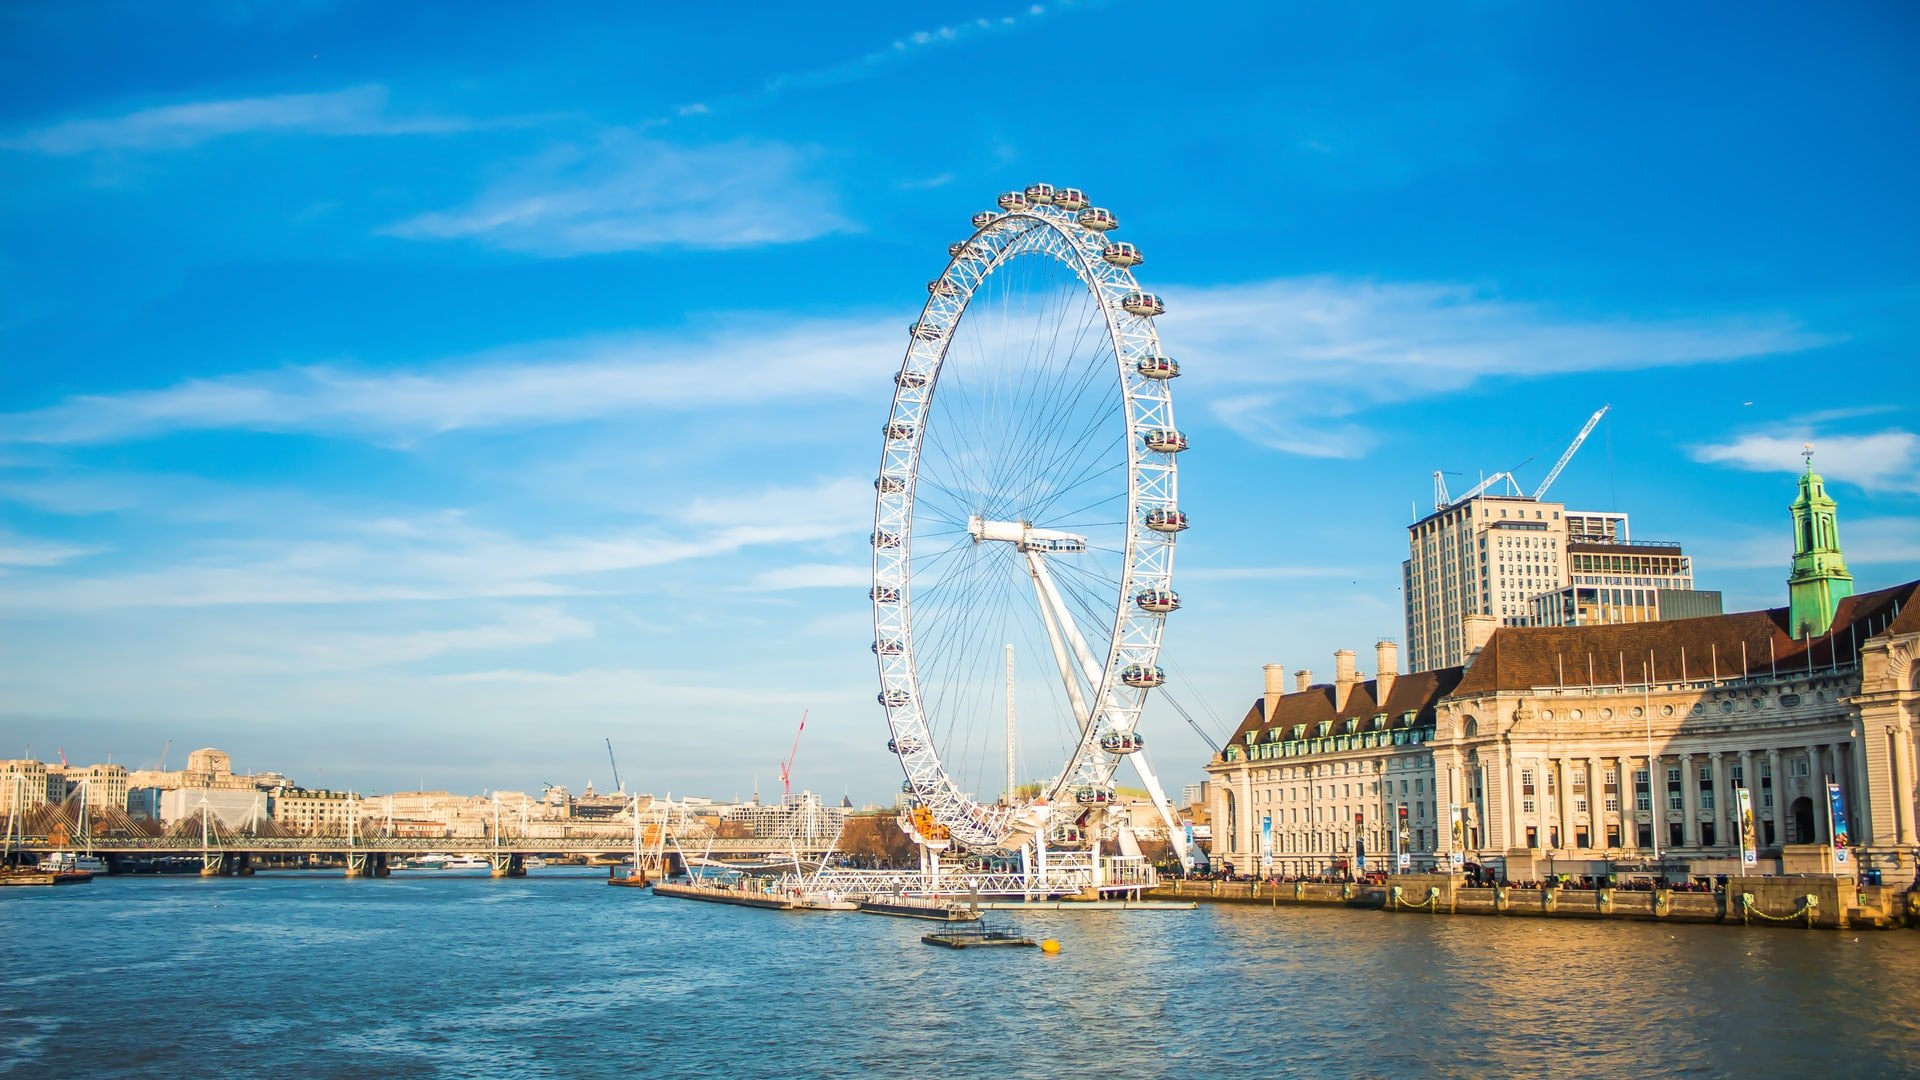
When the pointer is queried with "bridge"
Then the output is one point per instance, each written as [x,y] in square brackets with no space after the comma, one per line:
[365,850]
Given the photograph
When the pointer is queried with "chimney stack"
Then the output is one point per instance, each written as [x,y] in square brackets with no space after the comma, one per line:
[1477,629]
[1276,686]
[1302,680]
[1388,655]
[1344,678]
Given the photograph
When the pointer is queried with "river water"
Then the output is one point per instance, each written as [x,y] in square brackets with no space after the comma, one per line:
[558,975]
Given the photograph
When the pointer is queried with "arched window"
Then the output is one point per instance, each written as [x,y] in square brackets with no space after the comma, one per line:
[1470,729]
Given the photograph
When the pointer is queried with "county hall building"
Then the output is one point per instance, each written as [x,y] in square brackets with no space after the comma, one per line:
[1600,748]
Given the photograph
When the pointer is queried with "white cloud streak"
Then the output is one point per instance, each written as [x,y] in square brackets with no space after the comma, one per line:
[1884,461]
[443,557]
[22,551]
[550,384]
[1290,363]
[359,110]
[627,193]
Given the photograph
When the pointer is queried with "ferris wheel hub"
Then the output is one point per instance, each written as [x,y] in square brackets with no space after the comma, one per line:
[1023,536]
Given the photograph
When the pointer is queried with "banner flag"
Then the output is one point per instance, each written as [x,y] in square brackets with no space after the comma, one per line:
[1266,844]
[1837,825]
[1749,851]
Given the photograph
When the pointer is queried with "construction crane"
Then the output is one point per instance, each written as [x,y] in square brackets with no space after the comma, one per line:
[617,785]
[786,767]
[1475,491]
[162,767]
[1568,456]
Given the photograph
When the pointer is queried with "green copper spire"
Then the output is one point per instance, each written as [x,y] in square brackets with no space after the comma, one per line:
[1820,579]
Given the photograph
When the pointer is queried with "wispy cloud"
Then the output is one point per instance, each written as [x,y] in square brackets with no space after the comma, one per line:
[625,193]
[810,576]
[24,551]
[1291,363]
[901,50]
[1886,461]
[359,110]
[441,557]
[563,382]
[511,630]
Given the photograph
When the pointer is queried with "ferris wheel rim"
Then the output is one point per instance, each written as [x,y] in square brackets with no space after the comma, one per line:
[1126,311]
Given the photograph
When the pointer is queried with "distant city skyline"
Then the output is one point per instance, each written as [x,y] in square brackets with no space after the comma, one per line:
[438,392]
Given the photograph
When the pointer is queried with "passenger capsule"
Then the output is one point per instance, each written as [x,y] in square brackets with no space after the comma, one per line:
[1093,217]
[1158,367]
[1143,304]
[983,219]
[942,287]
[886,540]
[1122,255]
[1069,834]
[1040,194]
[906,787]
[881,594]
[1164,440]
[1013,200]
[1121,742]
[1143,676]
[910,379]
[903,746]
[888,646]
[893,698]
[1070,199]
[924,331]
[889,485]
[899,429]
[954,250]
[1158,601]
[1092,796]
[1165,519]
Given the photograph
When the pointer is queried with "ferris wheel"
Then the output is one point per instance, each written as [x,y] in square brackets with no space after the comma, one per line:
[1024,528]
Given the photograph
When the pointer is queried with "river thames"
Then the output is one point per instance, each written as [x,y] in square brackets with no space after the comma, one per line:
[558,975]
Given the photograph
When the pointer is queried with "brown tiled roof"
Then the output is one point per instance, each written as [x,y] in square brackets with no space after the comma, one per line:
[1520,658]
[1416,693]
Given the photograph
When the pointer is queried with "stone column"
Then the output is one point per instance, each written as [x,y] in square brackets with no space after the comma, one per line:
[1623,780]
[1596,804]
[1901,768]
[1689,803]
[1776,811]
[1816,785]
[1859,800]
[1722,799]
[1563,801]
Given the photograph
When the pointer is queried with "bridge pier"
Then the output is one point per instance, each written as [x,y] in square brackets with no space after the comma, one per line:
[508,865]
[371,864]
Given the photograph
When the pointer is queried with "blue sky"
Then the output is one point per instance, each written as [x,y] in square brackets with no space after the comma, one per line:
[428,392]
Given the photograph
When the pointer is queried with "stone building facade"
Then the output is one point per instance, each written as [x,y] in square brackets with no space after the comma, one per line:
[1606,748]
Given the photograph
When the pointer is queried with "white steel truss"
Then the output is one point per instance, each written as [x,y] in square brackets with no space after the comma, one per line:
[1109,707]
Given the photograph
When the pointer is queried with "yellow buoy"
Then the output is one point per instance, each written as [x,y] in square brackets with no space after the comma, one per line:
[1049,946]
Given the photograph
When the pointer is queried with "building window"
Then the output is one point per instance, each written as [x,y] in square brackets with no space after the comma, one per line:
[1737,774]
[1580,806]
[1613,803]
[1676,834]
[1674,799]
[1642,792]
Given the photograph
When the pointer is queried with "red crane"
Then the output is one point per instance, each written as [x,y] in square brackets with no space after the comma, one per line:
[786,767]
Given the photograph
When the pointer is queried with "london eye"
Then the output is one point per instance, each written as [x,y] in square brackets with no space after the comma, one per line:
[1025,520]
